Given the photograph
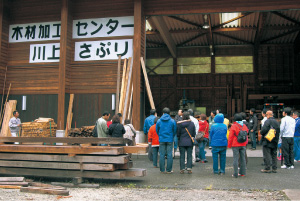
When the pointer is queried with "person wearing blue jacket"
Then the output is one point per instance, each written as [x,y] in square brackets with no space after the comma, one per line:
[297,137]
[166,130]
[218,142]
[149,121]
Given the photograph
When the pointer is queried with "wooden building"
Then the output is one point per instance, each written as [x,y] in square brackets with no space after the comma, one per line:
[267,32]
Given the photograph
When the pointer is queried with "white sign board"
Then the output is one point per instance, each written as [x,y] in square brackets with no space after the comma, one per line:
[34,32]
[40,53]
[103,50]
[103,27]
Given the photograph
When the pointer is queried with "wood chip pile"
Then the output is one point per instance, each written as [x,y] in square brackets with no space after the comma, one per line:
[41,127]
[85,131]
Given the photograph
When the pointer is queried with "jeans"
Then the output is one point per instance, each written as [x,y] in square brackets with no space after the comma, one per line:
[201,149]
[188,151]
[270,159]
[297,148]
[253,139]
[219,153]
[165,148]
[239,152]
[175,142]
[155,154]
[288,150]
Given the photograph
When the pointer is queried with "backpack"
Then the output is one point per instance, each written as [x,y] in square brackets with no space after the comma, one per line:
[242,136]
[95,134]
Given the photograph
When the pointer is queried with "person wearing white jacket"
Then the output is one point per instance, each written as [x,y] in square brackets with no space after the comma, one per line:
[196,123]
[287,130]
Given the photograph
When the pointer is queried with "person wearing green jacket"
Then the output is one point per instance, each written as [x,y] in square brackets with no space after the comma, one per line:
[102,129]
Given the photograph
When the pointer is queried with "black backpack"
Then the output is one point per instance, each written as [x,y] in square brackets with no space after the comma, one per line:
[242,136]
[95,134]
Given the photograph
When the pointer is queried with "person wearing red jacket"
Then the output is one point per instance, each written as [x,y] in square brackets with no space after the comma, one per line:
[238,148]
[153,139]
[203,127]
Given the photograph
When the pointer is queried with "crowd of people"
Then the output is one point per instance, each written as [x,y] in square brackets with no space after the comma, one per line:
[192,135]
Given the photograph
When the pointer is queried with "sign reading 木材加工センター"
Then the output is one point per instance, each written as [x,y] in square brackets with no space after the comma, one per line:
[102,50]
[86,28]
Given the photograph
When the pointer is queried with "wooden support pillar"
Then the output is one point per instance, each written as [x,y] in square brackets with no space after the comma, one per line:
[138,47]
[3,40]
[213,75]
[64,62]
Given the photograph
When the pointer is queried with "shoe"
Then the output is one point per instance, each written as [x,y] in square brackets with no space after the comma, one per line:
[292,167]
[210,147]
[242,175]
[279,158]
[284,167]
[181,171]
[222,173]
[170,172]
[189,171]
[234,176]
[197,160]
[205,161]
[155,166]
[253,149]
[274,171]
[265,171]
[162,172]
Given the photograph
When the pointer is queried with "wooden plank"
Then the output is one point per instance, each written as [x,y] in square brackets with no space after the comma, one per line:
[71,185]
[13,183]
[147,84]
[136,149]
[69,117]
[100,150]
[56,165]
[125,166]
[233,106]
[62,173]
[127,88]
[280,96]
[39,184]
[19,179]
[9,108]
[43,190]
[10,187]
[118,85]
[122,159]
[124,85]
[70,140]
[135,172]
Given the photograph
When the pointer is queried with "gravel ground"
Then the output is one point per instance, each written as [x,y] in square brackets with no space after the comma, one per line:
[132,193]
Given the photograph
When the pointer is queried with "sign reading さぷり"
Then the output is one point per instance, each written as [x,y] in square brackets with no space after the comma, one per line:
[86,28]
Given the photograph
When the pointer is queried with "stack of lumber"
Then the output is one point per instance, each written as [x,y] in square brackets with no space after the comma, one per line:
[41,127]
[10,106]
[102,162]
[12,182]
[85,131]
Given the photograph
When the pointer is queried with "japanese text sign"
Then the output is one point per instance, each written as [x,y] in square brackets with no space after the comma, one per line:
[40,53]
[103,27]
[103,50]
[34,32]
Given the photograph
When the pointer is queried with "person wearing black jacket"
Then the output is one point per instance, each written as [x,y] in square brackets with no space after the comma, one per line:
[252,125]
[116,129]
[270,148]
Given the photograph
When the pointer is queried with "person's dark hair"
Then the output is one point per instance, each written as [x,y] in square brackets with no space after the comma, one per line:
[237,117]
[156,119]
[203,117]
[119,114]
[166,110]
[252,110]
[264,111]
[288,111]
[127,121]
[105,113]
[220,111]
[243,114]
[116,119]
[186,116]
[214,112]
[191,112]
[296,113]
[152,111]
[14,112]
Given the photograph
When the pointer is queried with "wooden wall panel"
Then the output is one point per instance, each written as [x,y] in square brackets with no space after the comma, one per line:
[3,40]
[167,7]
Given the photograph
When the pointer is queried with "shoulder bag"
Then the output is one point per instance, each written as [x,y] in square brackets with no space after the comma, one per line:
[193,140]
[200,135]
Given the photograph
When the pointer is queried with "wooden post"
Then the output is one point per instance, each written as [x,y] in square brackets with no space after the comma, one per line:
[65,38]
[138,39]
[118,86]
[147,84]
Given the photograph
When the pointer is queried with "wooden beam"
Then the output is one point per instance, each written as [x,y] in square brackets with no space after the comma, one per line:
[165,34]
[118,85]
[44,190]
[185,21]
[191,39]
[280,96]
[19,179]
[147,84]
[209,35]
[286,17]
[227,29]
[233,38]
[70,115]
[280,35]
[260,26]
[139,51]
[64,61]
[233,19]
[156,43]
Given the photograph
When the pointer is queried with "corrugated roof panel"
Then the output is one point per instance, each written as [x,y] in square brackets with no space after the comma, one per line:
[180,38]
[154,38]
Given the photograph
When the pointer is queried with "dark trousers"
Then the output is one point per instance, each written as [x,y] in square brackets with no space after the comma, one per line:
[189,156]
[239,153]
[253,139]
[270,157]
[288,150]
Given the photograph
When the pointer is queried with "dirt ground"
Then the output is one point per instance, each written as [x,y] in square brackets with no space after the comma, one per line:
[132,193]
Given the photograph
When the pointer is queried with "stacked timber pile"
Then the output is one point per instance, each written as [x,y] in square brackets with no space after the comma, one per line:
[102,162]
[41,127]
[10,106]
[85,131]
